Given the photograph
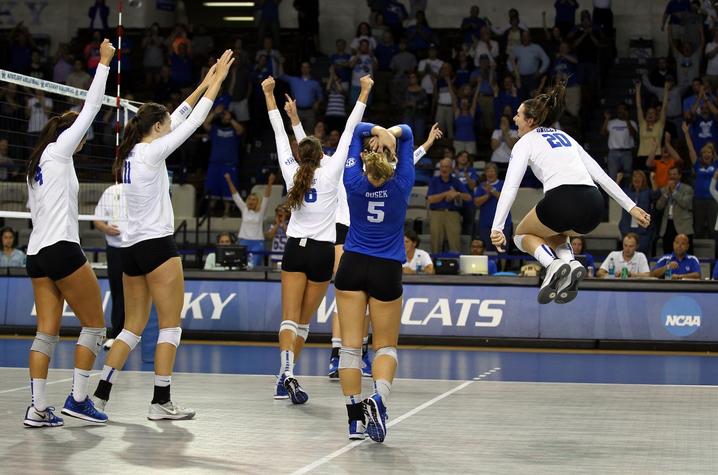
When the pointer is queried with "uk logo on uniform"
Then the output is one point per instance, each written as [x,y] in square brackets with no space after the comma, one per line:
[351,161]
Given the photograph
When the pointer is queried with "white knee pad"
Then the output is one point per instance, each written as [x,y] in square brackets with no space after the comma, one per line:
[518,240]
[129,338]
[170,335]
[350,358]
[45,344]
[290,326]
[92,338]
[387,351]
[303,331]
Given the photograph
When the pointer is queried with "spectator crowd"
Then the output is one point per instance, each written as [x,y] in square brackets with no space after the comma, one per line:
[660,138]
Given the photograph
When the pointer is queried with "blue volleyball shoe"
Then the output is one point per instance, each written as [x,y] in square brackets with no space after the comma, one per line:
[375,414]
[46,418]
[357,430]
[84,410]
[280,392]
[295,391]
[334,368]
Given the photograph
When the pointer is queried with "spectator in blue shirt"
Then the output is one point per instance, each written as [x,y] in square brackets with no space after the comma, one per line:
[715,271]
[446,196]
[340,60]
[267,14]
[464,171]
[420,35]
[181,67]
[578,244]
[472,24]
[486,197]
[307,92]
[705,207]
[565,15]
[10,256]
[565,67]
[682,265]
[641,194]
[697,97]
[394,15]
[478,248]
[384,52]
[675,11]
[507,96]
[704,128]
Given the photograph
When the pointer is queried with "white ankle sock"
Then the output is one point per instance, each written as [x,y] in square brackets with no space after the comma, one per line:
[336,342]
[163,381]
[544,255]
[109,374]
[565,252]
[37,391]
[287,362]
[382,388]
[80,381]
[354,399]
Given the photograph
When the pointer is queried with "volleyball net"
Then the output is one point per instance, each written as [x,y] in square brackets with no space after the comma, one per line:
[26,104]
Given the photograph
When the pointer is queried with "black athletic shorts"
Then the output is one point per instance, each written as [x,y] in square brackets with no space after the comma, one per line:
[56,261]
[379,278]
[314,258]
[571,207]
[146,256]
[342,230]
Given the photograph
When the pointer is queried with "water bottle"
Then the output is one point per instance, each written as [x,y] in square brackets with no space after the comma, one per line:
[624,272]
[611,269]
[669,274]
[418,267]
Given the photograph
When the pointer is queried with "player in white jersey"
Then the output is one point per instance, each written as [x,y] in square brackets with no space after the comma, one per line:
[312,184]
[572,204]
[55,261]
[150,262]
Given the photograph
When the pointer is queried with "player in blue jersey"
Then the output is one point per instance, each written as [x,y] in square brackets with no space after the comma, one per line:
[370,271]
[225,136]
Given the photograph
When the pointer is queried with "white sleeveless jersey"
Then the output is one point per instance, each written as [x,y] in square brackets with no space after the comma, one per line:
[52,191]
[147,185]
[316,218]
[556,159]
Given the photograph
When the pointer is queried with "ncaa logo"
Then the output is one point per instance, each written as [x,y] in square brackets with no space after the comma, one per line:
[351,161]
[681,316]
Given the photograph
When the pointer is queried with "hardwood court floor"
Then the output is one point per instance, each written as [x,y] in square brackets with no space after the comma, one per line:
[478,425]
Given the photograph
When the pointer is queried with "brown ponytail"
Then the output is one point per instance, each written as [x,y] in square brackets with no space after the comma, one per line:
[137,127]
[310,155]
[545,109]
[54,127]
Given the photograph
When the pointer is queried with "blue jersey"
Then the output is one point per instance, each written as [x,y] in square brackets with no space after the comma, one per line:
[377,214]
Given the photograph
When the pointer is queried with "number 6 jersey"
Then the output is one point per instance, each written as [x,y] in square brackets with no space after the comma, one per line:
[556,159]
[316,217]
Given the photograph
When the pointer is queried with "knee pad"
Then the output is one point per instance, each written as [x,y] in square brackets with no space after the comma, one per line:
[518,240]
[303,331]
[45,343]
[170,335]
[350,358]
[129,338]
[92,338]
[290,326]
[387,351]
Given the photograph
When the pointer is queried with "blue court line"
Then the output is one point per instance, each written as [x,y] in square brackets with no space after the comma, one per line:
[417,363]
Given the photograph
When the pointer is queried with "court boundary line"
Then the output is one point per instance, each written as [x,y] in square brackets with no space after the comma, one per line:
[328,458]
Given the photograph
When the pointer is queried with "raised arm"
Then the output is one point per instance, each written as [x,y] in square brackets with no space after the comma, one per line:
[353,171]
[405,172]
[183,111]
[336,167]
[68,140]
[287,163]
[515,173]
[163,147]
[236,197]
[639,103]
[434,133]
[689,143]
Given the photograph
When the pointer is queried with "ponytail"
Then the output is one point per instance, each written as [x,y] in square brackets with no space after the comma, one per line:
[137,127]
[53,128]
[378,164]
[547,108]
[310,155]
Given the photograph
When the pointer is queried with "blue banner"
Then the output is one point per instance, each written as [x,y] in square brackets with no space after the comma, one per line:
[433,310]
